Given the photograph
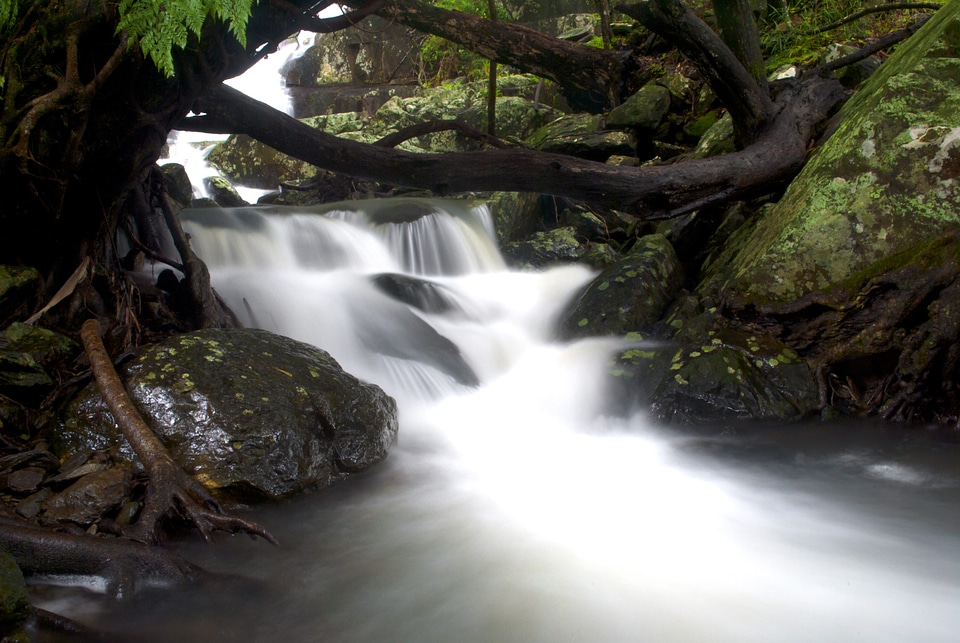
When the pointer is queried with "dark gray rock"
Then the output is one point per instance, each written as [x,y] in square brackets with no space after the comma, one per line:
[630,295]
[250,414]
[89,498]
[711,372]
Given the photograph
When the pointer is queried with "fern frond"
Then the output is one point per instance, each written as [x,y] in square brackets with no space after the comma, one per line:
[158,26]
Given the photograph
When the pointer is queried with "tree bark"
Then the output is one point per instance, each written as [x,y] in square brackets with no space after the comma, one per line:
[652,192]
[738,28]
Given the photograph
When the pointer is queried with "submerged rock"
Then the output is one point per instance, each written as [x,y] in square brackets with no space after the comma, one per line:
[251,414]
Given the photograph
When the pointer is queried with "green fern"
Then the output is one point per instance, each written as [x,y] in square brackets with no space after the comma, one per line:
[158,26]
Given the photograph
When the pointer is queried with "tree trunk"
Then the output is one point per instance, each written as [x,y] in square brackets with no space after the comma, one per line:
[738,28]
[653,192]
[84,116]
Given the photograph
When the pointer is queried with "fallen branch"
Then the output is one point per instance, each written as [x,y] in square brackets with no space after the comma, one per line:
[887,41]
[891,6]
[170,489]
[664,190]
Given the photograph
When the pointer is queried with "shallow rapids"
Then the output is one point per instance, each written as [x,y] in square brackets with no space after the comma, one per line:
[515,510]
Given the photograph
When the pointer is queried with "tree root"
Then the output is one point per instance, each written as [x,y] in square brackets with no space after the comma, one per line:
[170,489]
[889,346]
[125,566]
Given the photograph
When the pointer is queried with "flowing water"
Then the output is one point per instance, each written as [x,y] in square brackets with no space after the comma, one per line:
[515,510]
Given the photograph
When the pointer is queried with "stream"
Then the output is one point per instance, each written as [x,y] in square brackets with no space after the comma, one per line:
[517,510]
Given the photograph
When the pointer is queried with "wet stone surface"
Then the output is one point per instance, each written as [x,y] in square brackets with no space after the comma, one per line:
[250,414]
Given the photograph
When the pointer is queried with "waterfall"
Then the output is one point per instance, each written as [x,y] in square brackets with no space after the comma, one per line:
[512,508]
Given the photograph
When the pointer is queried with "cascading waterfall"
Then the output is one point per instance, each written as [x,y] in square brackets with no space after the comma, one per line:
[512,509]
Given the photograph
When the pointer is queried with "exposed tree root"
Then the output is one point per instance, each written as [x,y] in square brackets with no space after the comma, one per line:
[170,489]
[124,565]
[889,344]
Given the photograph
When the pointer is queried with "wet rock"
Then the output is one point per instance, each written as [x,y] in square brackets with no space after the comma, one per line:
[544,249]
[630,295]
[89,498]
[418,293]
[710,372]
[251,414]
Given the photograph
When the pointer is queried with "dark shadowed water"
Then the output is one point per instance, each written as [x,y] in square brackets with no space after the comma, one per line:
[517,511]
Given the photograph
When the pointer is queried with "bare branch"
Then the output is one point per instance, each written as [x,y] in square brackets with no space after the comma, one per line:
[891,6]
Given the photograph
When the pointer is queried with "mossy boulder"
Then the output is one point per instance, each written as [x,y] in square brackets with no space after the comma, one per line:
[14,606]
[644,110]
[543,249]
[710,372]
[26,351]
[887,179]
[250,414]
[515,215]
[717,139]
[628,296]
[581,135]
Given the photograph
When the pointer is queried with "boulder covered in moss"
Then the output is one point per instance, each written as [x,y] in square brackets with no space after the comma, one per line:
[18,285]
[887,179]
[629,296]
[250,414]
[581,135]
[542,249]
[710,372]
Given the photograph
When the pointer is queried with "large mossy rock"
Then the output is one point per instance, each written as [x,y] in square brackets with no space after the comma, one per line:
[629,296]
[644,110]
[251,414]
[581,135]
[710,373]
[887,179]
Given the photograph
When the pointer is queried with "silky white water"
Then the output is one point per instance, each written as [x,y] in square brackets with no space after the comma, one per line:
[515,510]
